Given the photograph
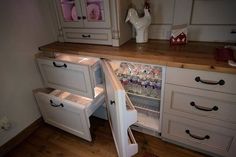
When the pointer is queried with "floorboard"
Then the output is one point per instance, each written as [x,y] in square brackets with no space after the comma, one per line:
[49,141]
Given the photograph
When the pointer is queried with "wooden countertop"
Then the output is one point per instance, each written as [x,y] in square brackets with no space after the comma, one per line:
[195,55]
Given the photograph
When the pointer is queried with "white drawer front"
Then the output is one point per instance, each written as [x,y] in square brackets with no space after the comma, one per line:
[93,36]
[207,137]
[63,115]
[73,78]
[187,102]
[200,79]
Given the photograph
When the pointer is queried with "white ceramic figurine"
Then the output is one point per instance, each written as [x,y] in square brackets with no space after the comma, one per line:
[140,24]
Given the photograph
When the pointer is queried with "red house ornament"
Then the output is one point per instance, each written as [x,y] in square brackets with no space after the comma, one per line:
[178,35]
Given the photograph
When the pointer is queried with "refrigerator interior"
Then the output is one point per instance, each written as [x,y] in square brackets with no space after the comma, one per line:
[143,84]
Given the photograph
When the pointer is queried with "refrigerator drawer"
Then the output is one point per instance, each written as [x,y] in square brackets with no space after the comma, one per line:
[202,104]
[197,134]
[72,73]
[67,111]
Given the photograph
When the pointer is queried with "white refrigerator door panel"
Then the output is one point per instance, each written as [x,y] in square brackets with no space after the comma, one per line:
[75,122]
[121,113]
[74,78]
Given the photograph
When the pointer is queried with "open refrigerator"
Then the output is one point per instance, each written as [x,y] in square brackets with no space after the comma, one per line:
[134,97]
[131,94]
[143,84]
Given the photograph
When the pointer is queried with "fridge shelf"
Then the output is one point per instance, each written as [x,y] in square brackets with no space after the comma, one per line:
[147,108]
[144,96]
[148,121]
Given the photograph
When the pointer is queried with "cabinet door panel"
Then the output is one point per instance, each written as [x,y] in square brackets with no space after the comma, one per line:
[96,13]
[70,13]
[214,81]
[211,138]
[120,114]
[75,122]
[200,103]
[74,78]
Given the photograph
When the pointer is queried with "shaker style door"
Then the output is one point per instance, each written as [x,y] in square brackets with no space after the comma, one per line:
[70,13]
[121,113]
[73,78]
[96,13]
[67,116]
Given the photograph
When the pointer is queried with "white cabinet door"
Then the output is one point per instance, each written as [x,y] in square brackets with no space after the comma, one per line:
[121,113]
[73,78]
[96,13]
[84,13]
[64,115]
[70,13]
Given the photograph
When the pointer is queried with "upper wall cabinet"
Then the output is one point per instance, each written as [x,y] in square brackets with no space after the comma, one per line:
[93,21]
[207,20]
[218,12]
[84,13]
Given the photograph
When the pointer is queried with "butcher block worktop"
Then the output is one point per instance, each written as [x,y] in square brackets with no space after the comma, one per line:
[195,55]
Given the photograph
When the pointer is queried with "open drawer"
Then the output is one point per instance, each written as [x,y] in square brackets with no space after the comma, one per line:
[72,73]
[68,111]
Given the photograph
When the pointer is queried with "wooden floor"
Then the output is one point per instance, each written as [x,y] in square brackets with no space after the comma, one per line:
[49,141]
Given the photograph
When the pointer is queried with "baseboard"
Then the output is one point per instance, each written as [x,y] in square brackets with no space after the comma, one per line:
[4,149]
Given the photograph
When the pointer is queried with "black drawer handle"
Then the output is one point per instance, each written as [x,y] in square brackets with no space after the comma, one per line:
[56,105]
[84,17]
[59,66]
[220,82]
[112,102]
[202,108]
[78,17]
[197,137]
[86,36]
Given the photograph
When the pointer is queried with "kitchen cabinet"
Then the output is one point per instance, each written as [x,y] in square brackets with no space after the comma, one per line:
[71,112]
[93,21]
[199,110]
[84,13]
[78,75]
[68,111]
[73,92]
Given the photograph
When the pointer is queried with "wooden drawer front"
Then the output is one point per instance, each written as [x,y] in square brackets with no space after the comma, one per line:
[93,36]
[73,78]
[199,79]
[64,115]
[197,134]
[187,102]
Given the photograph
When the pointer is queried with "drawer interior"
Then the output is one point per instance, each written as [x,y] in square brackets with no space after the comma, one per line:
[76,98]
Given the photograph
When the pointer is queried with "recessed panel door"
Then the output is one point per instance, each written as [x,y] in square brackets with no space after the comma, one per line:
[121,114]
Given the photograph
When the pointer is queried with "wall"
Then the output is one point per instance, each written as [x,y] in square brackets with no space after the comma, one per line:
[25,25]
[207,20]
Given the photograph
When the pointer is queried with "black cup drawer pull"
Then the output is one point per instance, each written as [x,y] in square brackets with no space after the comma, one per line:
[86,36]
[112,102]
[56,105]
[202,108]
[220,82]
[59,66]
[196,136]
